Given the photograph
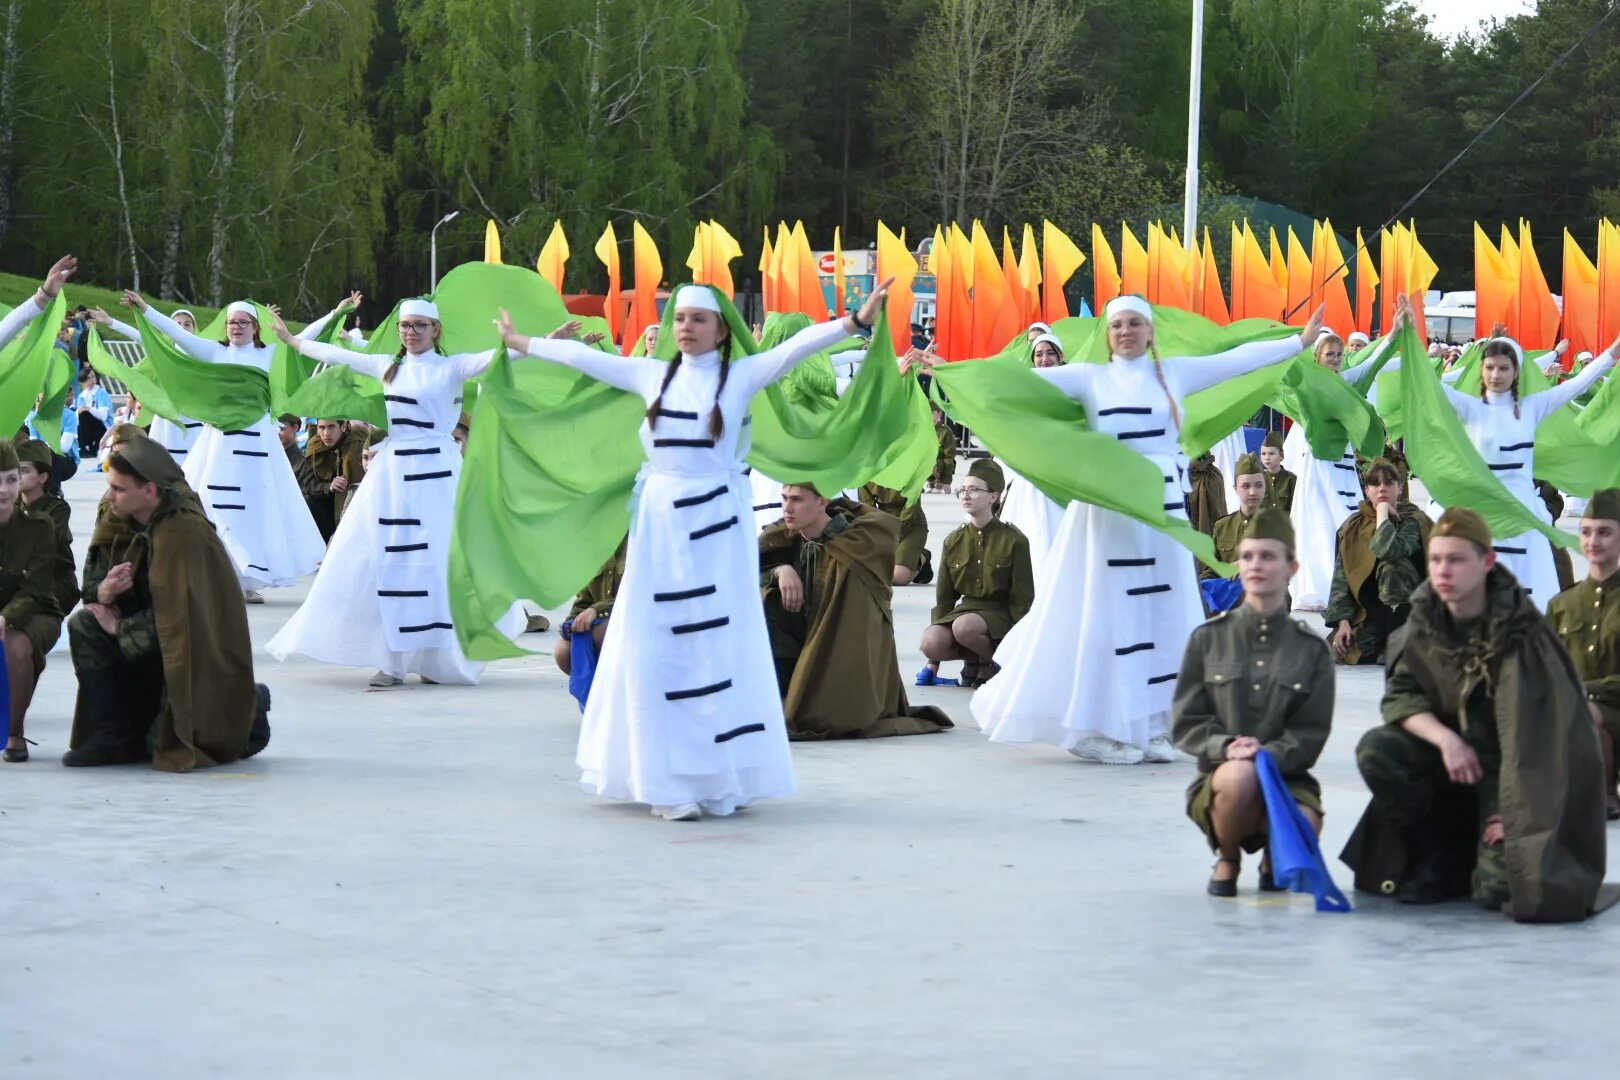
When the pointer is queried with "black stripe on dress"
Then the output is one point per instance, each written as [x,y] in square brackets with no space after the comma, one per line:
[403,592]
[409,451]
[1511,551]
[766,506]
[426,475]
[701,691]
[405,547]
[266,569]
[700,444]
[244,431]
[1531,445]
[689,594]
[1182,505]
[426,626]
[699,500]
[223,487]
[227,506]
[1140,646]
[251,453]
[1506,468]
[695,627]
[1126,410]
[710,530]
[1342,465]
[399,521]
[1157,679]
[746,729]
[408,422]
[194,424]
[676,414]
[1132,562]
[1155,433]
[401,398]
[1145,590]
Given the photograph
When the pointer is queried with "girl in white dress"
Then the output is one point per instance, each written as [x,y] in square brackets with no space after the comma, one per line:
[242,477]
[1023,504]
[684,714]
[382,597]
[1093,666]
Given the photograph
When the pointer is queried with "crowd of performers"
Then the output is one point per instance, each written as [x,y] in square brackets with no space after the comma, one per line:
[737,611]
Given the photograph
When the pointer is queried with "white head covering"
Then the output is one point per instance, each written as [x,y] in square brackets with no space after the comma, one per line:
[1129,302]
[700,297]
[425,309]
[1050,339]
[1518,350]
[239,307]
[183,311]
[1326,331]
[1583,356]
[1042,327]
[1358,338]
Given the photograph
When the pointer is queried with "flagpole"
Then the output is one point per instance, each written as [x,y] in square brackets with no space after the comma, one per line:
[1195,78]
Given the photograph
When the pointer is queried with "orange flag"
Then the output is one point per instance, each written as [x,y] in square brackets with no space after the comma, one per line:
[787,275]
[1366,287]
[1279,266]
[1029,273]
[607,250]
[767,273]
[1168,266]
[1298,304]
[839,283]
[553,259]
[492,242]
[1417,270]
[1015,279]
[1211,304]
[1133,263]
[812,298]
[995,319]
[1060,259]
[893,260]
[1608,282]
[1255,292]
[649,272]
[939,263]
[1494,284]
[722,248]
[1515,264]
[1580,302]
[1105,281]
[1328,274]
[963,276]
[1538,312]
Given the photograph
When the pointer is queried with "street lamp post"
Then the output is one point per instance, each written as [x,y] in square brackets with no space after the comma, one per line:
[1195,79]
[433,252]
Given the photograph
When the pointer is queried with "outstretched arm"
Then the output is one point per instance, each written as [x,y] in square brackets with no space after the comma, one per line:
[1201,373]
[637,374]
[367,363]
[197,348]
[123,329]
[765,368]
[350,303]
[1357,375]
[1546,402]
[32,308]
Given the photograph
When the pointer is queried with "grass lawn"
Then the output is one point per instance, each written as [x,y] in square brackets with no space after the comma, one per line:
[15,288]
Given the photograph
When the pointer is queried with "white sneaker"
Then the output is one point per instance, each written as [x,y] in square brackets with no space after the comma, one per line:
[384,681]
[251,596]
[1160,750]
[685,812]
[1106,751]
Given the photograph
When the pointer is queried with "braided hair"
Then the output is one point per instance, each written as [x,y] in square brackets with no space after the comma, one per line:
[1501,347]
[1158,373]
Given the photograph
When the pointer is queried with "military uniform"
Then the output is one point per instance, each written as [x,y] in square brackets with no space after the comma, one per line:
[1280,490]
[913,550]
[1207,501]
[1373,577]
[1587,618]
[320,466]
[55,509]
[945,463]
[986,572]
[1228,532]
[600,591]
[1266,676]
[29,565]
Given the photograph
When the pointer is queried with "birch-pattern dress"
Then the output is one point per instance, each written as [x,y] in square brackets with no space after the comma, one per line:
[685,707]
[1098,653]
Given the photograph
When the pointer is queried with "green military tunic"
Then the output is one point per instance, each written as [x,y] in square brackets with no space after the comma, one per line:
[30,562]
[56,510]
[945,463]
[985,572]
[600,591]
[1375,569]
[913,522]
[1587,618]
[1227,533]
[1266,676]
[320,466]
[1280,490]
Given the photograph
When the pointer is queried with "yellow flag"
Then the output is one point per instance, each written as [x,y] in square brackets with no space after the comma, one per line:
[492,242]
[722,248]
[554,256]
[698,260]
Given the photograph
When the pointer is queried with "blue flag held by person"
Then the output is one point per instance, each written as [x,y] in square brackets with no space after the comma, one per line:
[582,666]
[1296,858]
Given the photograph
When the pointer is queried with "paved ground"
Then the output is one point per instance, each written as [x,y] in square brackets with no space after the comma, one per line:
[410,884]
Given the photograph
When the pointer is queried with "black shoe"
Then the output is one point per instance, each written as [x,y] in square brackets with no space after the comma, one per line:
[925,572]
[259,735]
[20,754]
[1268,882]
[1227,889]
[106,752]
[1434,883]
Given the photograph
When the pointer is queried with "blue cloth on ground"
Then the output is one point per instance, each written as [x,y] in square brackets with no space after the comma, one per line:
[929,677]
[1221,594]
[1296,858]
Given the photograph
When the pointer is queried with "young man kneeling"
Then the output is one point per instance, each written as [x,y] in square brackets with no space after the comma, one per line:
[161,645]
[1253,679]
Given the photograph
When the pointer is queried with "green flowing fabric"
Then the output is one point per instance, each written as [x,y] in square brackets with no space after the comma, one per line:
[1444,457]
[340,393]
[553,455]
[291,371]
[228,396]
[24,365]
[59,372]
[1041,433]
[1392,404]
[1332,411]
[140,378]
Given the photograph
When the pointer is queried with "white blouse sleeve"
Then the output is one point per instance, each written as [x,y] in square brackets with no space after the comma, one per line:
[1200,373]
[637,374]
[1546,402]
[314,329]
[472,365]
[1073,379]
[18,318]
[762,369]
[1467,405]
[193,346]
[1357,375]
[123,329]
[366,363]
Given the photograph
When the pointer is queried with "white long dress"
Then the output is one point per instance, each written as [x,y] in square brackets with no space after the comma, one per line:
[382,598]
[1508,445]
[1099,652]
[1037,517]
[247,488]
[1325,494]
[684,707]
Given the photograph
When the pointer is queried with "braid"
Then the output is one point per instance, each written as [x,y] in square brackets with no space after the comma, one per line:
[1158,371]
[1515,397]
[658,402]
[717,419]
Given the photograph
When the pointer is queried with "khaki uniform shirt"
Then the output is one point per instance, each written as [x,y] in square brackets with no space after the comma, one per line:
[1587,618]
[1280,490]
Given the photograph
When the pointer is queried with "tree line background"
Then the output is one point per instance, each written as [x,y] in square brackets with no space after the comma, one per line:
[294,149]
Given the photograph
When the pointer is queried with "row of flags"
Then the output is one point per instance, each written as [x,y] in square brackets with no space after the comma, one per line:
[987,293]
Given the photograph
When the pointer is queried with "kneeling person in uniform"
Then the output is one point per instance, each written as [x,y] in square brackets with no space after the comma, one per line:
[1484,774]
[161,645]
[591,610]
[1378,562]
[1253,679]
[30,609]
[912,562]
[330,471]
[825,577]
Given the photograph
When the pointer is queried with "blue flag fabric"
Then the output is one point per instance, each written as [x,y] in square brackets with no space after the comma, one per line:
[582,663]
[5,698]
[1296,858]
[1221,594]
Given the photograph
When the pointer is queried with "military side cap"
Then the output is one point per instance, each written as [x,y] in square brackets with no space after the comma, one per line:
[464,421]
[1605,504]
[151,460]
[988,471]
[1270,524]
[34,452]
[288,418]
[1463,523]
[1247,465]
[1274,440]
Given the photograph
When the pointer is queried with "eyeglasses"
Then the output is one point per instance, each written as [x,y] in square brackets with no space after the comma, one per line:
[415,327]
[961,491]
[239,324]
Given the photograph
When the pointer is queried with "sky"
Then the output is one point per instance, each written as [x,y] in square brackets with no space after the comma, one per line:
[1452,17]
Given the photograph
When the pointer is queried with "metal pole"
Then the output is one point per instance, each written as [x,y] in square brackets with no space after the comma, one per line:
[433,252]
[1195,79]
